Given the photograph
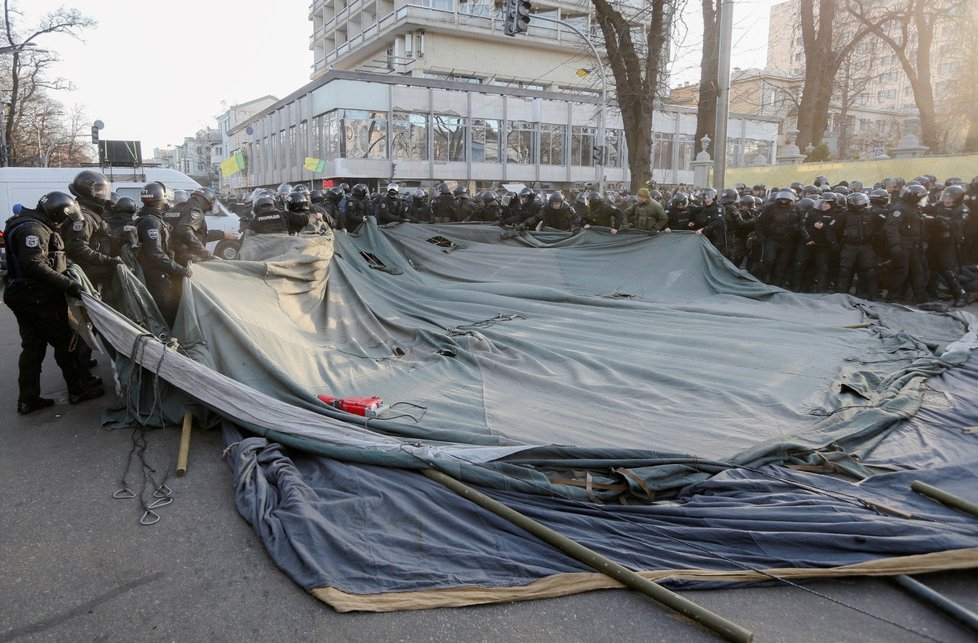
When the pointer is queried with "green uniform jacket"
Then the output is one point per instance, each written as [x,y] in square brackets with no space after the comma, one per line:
[648,216]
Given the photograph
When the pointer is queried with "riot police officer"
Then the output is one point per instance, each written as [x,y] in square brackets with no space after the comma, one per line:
[558,213]
[465,206]
[679,215]
[357,208]
[819,241]
[859,229]
[602,213]
[87,241]
[777,227]
[945,231]
[35,292]
[443,205]
[904,235]
[190,234]
[709,219]
[390,208]
[164,276]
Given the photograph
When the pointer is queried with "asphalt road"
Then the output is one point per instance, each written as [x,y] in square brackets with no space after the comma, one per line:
[75,564]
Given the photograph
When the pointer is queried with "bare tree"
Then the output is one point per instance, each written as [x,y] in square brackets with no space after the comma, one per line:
[25,79]
[826,47]
[907,27]
[706,107]
[957,99]
[636,79]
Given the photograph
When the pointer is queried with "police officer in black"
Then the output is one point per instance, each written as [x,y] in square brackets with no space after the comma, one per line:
[87,242]
[945,232]
[860,228]
[318,207]
[390,208]
[679,215]
[443,205]
[121,222]
[358,208]
[418,209]
[466,208]
[269,219]
[819,242]
[331,204]
[190,235]
[904,234]
[558,213]
[777,227]
[163,274]
[709,219]
[602,213]
[35,292]
[735,226]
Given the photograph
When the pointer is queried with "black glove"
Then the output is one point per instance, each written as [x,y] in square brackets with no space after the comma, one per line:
[188,272]
[118,261]
[74,290]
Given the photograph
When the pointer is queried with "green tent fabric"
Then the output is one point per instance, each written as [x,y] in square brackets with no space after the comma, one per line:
[521,361]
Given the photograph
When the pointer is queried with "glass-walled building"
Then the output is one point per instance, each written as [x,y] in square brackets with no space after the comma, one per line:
[377,128]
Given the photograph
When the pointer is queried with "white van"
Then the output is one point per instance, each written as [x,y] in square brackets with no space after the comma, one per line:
[25,185]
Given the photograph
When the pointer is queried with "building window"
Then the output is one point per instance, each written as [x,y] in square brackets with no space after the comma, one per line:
[410,136]
[332,140]
[295,159]
[448,138]
[282,158]
[686,147]
[364,134]
[582,145]
[484,140]
[615,149]
[552,144]
[662,151]
[520,146]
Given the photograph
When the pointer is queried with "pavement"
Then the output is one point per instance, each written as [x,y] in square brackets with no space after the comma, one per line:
[75,564]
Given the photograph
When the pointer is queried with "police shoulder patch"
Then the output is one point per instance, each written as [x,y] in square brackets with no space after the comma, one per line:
[32,241]
[78,226]
[153,234]
[195,215]
[896,214]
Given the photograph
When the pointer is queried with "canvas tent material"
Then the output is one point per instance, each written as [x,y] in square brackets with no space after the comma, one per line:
[550,370]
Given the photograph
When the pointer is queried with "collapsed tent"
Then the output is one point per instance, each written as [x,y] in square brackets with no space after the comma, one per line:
[564,375]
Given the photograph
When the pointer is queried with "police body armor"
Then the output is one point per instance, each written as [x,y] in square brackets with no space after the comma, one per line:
[271,222]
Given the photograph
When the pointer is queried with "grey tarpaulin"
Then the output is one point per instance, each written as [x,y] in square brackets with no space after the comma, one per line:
[593,367]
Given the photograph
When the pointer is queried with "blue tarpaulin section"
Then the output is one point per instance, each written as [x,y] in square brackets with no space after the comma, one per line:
[636,393]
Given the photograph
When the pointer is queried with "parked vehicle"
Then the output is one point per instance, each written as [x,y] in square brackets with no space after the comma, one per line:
[25,185]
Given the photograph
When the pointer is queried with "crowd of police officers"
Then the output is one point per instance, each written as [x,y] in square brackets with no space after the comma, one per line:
[915,239]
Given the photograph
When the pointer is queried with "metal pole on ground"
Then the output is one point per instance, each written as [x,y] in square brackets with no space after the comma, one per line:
[184,451]
[727,629]
[961,614]
[949,499]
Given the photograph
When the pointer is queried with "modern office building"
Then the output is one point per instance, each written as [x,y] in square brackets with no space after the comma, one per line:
[430,92]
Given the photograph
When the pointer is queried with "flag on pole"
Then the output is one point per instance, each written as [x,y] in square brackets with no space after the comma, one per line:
[233,164]
[315,165]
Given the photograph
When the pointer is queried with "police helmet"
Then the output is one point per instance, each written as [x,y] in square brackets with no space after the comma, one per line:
[953,193]
[488,197]
[709,193]
[297,202]
[392,189]
[805,204]
[758,201]
[858,200]
[974,183]
[879,197]
[180,196]
[345,187]
[856,186]
[155,195]
[359,190]
[810,189]
[335,194]
[124,205]
[747,200]
[740,187]
[526,193]
[796,187]
[581,198]
[443,188]
[679,200]
[841,189]
[58,207]
[508,199]
[264,203]
[821,181]
[460,190]
[91,186]
[302,187]
[555,199]
[913,193]
[113,199]
[785,195]
[419,195]
[954,180]
[593,199]
[207,196]
[283,190]
[729,195]
[316,196]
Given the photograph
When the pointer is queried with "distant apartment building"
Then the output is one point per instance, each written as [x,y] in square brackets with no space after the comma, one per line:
[431,91]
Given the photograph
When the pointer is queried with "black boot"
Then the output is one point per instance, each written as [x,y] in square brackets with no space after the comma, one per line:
[35,404]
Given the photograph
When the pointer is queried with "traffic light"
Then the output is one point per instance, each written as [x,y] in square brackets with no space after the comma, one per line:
[517,17]
[94,135]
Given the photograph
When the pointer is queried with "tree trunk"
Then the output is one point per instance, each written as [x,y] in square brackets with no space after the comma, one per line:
[971,140]
[706,108]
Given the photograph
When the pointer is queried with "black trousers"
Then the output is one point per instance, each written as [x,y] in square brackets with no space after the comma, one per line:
[42,320]
[166,292]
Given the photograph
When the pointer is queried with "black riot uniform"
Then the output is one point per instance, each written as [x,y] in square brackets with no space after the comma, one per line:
[679,214]
[443,205]
[390,208]
[904,235]
[777,228]
[819,230]
[190,234]
[709,219]
[164,276]
[357,208]
[466,208]
[945,229]
[418,209]
[602,213]
[87,242]
[268,219]
[35,292]
[557,213]
[859,231]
